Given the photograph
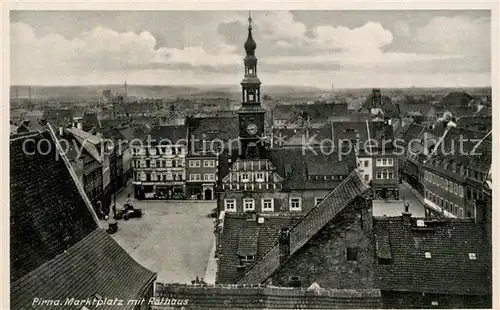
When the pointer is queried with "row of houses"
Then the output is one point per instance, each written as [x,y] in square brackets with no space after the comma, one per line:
[100,153]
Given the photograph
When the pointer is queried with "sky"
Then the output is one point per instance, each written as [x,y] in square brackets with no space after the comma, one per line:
[346,49]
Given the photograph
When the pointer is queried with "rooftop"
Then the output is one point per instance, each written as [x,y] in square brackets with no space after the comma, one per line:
[458,260]
[308,226]
[57,247]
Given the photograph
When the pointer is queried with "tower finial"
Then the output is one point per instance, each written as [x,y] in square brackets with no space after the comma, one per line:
[250,19]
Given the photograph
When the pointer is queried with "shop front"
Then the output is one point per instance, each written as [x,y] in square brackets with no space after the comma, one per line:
[157,190]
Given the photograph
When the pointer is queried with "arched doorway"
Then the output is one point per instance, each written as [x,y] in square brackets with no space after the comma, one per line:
[208,194]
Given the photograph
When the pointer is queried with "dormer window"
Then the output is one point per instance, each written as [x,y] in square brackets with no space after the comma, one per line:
[472,256]
[428,255]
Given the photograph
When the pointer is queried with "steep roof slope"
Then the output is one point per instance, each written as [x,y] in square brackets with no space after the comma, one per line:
[449,270]
[312,222]
[57,249]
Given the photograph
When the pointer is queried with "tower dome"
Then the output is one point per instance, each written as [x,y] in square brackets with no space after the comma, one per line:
[250,44]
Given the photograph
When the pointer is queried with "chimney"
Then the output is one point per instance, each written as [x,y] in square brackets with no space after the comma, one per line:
[284,244]
[61,131]
[407,215]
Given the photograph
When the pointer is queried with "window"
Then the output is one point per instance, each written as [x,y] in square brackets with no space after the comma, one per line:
[352,254]
[248,204]
[244,177]
[446,184]
[268,204]
[152,151]
[379,175]
[428,255]
[260,176]
[194,177]
[230,205]
[208,163]
[446,205]
[434,303]
[173,150]
[194,163]
[390,174]
[461,191]
[209,177]
[295,204]
[455,188]
[317,200]
[472,256]
[366,163]
[168,163]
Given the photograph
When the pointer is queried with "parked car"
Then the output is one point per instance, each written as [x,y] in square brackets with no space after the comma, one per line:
[128,212]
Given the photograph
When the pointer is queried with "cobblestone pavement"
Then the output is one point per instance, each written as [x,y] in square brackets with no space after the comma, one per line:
[381,208]
[173,239]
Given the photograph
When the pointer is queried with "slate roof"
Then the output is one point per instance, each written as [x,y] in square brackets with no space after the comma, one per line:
[483,123]
[224,128]
[389,108]
[412,132]
[58,117]
[293,165]
[448,271]
[42,193]
[90,120]
[57,249]
[455,99]
[94,265]
[246,237]
[315,113]
[310,224]
[169,134]
[269,297]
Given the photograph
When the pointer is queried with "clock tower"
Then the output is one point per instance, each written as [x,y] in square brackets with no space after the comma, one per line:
[251,114]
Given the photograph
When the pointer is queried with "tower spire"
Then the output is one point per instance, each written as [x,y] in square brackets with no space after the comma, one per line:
[250,44]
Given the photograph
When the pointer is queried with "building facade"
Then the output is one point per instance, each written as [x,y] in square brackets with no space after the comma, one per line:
[201,176]
[160,164]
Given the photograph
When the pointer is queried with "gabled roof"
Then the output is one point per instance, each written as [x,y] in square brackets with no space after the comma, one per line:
[224,128]
[449,270]
[94,265]
[57,249]
[58,117]
[247,237]
[310,224]
[169,134]
[455,99]
[314,112]
[90,120]
[42,192]
[91,143]
[293,165]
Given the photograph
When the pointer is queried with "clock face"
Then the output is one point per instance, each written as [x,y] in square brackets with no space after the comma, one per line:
[252,129]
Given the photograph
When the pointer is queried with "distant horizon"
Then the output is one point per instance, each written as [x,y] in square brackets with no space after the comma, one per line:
[237,86]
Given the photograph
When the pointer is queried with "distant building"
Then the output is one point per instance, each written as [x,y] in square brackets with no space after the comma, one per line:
[303,115]
[457,103]
[53,228]
[381,106]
